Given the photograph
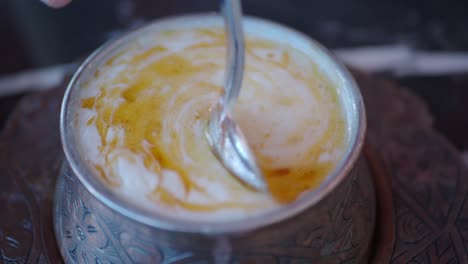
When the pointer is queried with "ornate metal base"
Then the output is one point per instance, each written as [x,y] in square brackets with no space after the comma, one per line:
[422,193]
[89,232]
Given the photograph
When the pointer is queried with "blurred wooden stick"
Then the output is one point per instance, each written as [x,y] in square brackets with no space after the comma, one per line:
[399,60]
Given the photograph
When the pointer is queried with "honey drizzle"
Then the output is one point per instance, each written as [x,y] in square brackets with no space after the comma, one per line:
[143,105]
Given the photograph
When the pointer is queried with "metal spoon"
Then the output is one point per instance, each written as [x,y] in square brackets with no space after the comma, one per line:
[224,136]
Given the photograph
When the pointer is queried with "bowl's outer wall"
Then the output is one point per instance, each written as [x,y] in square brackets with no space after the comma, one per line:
[337,229]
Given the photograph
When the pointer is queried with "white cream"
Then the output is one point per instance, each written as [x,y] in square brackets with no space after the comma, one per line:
[282,117]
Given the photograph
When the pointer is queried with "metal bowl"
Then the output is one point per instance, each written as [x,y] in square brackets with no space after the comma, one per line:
[333,223]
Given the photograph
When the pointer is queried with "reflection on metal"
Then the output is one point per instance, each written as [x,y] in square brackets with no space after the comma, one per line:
[224,136]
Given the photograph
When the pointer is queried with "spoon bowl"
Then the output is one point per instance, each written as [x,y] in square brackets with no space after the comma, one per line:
[229,146]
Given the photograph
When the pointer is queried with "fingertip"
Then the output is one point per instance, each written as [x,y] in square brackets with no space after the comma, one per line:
[56,3]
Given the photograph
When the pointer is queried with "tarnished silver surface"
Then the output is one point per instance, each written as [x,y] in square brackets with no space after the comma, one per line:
[338,229]
[331,224]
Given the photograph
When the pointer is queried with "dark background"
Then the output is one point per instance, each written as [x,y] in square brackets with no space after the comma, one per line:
[33,35]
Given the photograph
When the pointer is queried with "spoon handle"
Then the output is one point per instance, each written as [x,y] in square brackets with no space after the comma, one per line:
[235,51]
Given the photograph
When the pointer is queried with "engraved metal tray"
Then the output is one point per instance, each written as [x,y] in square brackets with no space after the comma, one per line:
[419,178]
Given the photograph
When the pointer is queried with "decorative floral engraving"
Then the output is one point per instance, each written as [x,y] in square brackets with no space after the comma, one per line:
[100,235]
[80,234]
[7,245]
[139,248]
[84,241]
[429,197]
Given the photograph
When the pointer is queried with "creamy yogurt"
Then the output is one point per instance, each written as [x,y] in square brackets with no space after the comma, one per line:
[142,119]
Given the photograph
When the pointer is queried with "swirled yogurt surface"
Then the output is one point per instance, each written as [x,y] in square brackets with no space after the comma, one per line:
[143,115]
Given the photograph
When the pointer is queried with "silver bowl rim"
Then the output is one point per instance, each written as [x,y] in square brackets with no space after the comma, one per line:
[105,195]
